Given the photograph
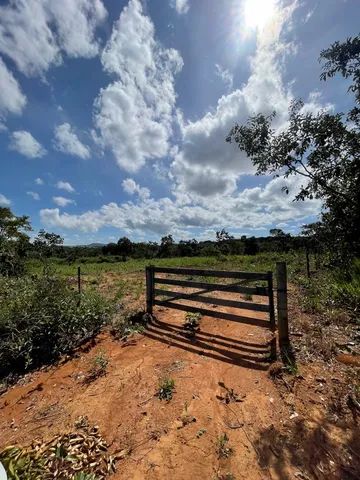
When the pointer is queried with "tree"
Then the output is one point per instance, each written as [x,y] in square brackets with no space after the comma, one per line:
[13,242]
[125,247]
[251,246]
[223,235]
[45,245]
[283,239]
[277,232]
[166,246]
[323,148]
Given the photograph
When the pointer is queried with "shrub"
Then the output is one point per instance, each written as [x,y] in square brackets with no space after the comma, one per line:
[346,290]
[42,318]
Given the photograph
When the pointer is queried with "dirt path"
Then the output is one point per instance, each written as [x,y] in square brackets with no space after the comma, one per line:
[178,439]
[134,420]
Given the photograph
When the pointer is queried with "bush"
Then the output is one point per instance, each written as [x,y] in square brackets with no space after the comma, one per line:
[346,289]
[42,318]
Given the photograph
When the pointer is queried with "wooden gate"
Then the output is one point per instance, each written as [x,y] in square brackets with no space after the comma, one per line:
[202,289]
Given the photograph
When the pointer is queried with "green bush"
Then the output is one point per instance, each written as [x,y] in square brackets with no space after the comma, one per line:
[42,318]
[346,289]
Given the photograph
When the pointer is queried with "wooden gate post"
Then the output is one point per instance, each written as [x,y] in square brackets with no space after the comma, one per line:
[272,315]
[282,307]
[149,272]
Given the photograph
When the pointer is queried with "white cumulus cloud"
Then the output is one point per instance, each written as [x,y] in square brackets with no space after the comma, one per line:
[39,181]
[249,210]
[67,141]
[204,156]
[181,6]
[4,201]
[62,201]
[131,187]
[12,100]
[35,33]
[24,143]
[134,114]
[65,186]
[225,76]
[33,195]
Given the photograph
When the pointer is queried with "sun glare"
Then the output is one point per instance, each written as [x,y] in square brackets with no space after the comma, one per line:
[258,13]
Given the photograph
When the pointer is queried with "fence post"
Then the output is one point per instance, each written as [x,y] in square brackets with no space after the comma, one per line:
[79,280]
[149,272]
[272,315]
[282,307]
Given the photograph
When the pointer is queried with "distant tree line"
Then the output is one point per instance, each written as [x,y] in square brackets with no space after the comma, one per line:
[225,244]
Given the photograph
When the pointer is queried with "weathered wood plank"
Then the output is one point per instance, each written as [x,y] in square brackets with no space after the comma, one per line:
[212,313]
[213,300]
[261,291]
[213,273]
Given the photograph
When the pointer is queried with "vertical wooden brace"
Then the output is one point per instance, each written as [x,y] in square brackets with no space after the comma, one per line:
[282,305]
[149,272]
[272,315]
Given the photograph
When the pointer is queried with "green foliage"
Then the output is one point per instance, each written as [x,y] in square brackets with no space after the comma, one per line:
[346,288]
[323,148]
[13,242]
[98,367]
[166,389]
[20,465]
[128,322]
[42,318]
[224,450]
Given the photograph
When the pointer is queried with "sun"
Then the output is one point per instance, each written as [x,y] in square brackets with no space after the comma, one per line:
[258,13]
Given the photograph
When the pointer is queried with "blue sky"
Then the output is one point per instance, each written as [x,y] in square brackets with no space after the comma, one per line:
[113,114]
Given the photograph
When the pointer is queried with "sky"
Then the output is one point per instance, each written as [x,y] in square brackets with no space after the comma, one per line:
[114,114]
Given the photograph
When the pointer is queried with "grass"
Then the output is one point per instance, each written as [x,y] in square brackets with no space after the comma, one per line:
[98,367]
[257,263]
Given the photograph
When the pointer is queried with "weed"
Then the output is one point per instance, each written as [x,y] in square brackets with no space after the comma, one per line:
[129,322]
[224,450]
[290,363]
[224,476]
[192,323]
[186,418]
[97,368]
[166,389]
[200,432]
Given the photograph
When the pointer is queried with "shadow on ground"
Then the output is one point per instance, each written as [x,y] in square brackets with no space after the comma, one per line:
[234,351]
[310,449]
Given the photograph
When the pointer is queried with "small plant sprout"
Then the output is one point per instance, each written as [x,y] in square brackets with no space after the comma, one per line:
[224,476]
[200,432]
[186,417]
[97,368]
[223,448]
[166,389]
[192,323]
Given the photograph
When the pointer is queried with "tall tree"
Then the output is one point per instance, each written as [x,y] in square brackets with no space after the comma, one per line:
[13,241]
[125,247]
[323,148]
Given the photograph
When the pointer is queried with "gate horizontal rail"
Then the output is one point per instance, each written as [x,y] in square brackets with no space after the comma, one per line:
[261,291]
[212,300]
[213,273]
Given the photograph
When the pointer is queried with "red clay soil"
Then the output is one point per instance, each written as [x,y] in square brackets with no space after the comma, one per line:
[160,440]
